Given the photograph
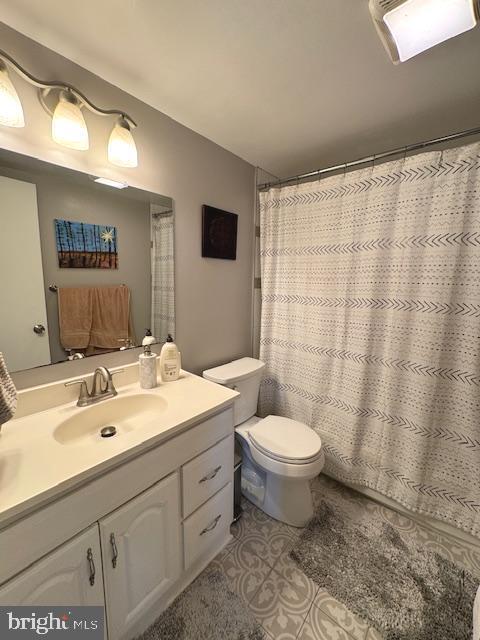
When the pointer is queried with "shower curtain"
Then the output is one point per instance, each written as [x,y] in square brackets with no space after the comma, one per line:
[370,326]
[163,285]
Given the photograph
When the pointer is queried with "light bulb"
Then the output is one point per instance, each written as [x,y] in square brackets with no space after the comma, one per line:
[68,124]
[122,150]
[11,112]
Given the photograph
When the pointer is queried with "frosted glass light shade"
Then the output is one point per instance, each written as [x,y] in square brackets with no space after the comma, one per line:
[122,150]
[418,25]
[11,112]
[68,125]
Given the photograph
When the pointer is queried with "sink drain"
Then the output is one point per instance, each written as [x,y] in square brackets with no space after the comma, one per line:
[108,432]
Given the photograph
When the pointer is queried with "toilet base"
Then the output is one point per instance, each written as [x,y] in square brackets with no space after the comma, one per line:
[284,498]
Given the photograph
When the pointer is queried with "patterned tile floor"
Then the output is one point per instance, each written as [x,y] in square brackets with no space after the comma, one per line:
[284,600]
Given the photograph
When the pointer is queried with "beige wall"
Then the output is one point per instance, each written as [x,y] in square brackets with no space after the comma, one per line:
[213,297]
[60,199]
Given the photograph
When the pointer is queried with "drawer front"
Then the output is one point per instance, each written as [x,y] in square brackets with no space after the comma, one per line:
[206,474]
[209,525]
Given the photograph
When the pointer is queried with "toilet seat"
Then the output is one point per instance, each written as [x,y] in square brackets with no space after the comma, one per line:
[285,440]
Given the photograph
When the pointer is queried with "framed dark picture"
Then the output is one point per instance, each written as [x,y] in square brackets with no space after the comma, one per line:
[219,233]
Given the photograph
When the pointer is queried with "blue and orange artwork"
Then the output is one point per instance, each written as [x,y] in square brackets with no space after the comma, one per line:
[81,245]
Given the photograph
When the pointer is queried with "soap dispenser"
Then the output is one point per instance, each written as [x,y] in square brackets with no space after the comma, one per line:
[148,338]
[148,368]
[169,361]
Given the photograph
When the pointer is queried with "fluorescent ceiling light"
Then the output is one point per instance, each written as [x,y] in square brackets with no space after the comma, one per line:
[111,183]
[419,25]
[68,124]
[11,112]
[409,27]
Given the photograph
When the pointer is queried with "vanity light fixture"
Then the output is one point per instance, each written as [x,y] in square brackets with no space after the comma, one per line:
[68,124]
[409,27]
[111,183]
[11,112]
[64,103]
[121,145]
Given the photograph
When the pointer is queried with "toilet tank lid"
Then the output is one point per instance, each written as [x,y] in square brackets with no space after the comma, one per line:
[234,371]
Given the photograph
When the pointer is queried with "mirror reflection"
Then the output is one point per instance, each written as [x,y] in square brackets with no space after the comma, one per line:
[87,267]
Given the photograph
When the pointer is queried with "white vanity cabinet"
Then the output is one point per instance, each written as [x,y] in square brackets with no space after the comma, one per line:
[70,575]
[141,548]
[132,538]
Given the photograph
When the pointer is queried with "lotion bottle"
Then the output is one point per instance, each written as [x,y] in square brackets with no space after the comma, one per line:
[148,368]
[169,361]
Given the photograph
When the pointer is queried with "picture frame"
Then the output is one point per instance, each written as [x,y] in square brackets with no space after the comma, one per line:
[219,233]
[82,245]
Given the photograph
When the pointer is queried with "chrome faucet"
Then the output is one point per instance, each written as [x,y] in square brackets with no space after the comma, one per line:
[102,387]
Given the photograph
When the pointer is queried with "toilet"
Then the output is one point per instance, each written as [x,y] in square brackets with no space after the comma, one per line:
[280,455]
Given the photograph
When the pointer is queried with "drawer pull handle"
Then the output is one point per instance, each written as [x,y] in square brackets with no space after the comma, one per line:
[211,526]
[114,550]
[210,476]
[92,566]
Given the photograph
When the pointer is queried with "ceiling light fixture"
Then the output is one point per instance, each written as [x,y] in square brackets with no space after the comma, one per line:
[111,183]
[64,103]
[11,112]
[409,27]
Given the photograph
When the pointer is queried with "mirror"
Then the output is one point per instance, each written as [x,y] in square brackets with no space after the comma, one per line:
[86,267]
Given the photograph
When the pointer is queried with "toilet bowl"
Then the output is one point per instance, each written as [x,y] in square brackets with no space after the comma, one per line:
[280,455]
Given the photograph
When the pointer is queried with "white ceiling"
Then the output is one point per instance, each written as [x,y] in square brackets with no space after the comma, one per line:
[289,85]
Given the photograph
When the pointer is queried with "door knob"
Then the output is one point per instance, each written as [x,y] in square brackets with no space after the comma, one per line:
[39,329]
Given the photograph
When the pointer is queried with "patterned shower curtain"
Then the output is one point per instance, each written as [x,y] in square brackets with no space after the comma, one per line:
[371,326]
[163,285]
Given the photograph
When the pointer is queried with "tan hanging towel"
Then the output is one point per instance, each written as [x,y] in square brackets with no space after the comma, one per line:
[110,318]
[75,309]
[8,394]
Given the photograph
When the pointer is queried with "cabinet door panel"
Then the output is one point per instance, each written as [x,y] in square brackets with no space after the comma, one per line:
[141,553]
[62,578]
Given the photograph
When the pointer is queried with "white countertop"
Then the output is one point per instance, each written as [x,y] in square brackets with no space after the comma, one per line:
[35,468]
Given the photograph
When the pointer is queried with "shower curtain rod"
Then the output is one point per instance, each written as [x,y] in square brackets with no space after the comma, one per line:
[374,158]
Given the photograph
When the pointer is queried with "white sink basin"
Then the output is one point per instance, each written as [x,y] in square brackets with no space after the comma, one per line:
[125,413]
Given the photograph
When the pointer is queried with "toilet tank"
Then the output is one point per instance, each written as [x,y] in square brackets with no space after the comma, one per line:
[245,376]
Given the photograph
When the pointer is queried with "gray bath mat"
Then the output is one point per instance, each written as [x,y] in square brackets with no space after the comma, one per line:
[206,610]
[403,590]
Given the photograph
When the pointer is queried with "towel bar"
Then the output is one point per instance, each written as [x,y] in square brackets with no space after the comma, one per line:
[54,288]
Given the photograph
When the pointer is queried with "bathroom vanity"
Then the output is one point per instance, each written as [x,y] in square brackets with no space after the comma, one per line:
[127,521]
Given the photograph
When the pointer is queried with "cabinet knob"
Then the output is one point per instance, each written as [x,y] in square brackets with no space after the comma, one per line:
[39,329]
[91,565]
